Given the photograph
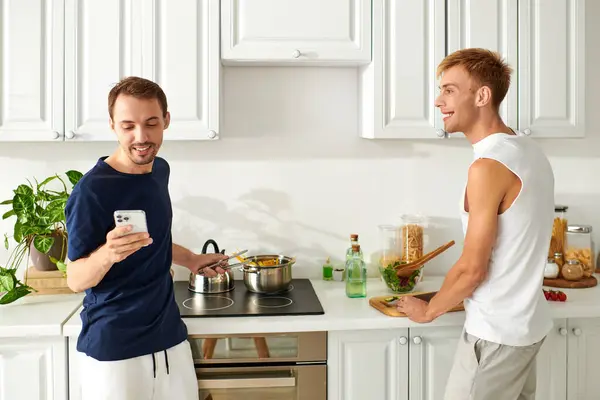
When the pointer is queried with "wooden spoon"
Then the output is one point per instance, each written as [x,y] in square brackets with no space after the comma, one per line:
[404,270]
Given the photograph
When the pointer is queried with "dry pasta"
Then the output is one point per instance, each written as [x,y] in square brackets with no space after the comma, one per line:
[412,243]
[557,242]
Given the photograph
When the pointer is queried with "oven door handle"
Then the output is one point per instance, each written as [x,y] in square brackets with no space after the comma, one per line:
[246,383]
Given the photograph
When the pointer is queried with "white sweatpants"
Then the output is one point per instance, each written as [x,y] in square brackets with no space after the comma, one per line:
[141,378]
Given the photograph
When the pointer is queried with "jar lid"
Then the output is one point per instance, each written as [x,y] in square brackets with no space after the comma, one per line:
[579,228]
[560,208]
[573,261]
[551,261]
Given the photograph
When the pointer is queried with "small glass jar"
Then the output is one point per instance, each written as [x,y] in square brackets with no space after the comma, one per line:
[412,230]
[559,229]
[579,246]
[551,270]
[572,270]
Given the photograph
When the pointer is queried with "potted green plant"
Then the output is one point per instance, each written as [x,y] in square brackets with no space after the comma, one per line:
[39,230]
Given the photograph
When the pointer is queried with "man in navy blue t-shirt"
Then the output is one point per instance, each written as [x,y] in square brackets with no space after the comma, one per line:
[133,342]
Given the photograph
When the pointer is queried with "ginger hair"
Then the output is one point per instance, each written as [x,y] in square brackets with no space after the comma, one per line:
[485,67]
[140,88]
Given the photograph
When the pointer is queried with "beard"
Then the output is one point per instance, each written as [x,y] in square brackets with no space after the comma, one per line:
[142,153]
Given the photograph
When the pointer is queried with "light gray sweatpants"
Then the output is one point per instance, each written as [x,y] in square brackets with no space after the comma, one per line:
[485,370]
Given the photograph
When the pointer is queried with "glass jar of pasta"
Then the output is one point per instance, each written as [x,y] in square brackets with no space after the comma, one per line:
[578,246]
[559,229]
[413,227]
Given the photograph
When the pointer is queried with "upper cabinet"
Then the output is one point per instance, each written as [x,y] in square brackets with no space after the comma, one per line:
[55,79]
[551,69]
[292,32]
[544,43]
[31,70]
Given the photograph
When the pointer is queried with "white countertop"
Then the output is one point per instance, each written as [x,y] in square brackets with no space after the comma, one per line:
[38,315]
[343,313]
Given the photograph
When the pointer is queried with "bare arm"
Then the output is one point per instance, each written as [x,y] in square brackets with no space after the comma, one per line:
[196,263]
[87,272]
[487,185]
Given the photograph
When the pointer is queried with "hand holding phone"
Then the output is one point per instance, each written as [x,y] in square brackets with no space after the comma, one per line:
[129,235]
[135,218]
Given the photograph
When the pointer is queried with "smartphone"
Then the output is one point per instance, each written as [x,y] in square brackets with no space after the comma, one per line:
[135,218]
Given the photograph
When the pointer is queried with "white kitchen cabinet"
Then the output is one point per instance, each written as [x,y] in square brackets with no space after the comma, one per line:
[551,71]
[296,32]
[583,344]
[551,364]
[399,87]
[431,356]
[399,364]
[101,46]
[182,49]
[31,70]
[33,368]
[496,32]
[367,364]
[175,44]
[544,42]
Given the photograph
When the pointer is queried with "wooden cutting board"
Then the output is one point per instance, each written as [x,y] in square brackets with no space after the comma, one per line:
[565,284]
[380,304]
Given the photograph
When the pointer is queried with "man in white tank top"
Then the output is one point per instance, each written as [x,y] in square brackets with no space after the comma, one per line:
[507,212]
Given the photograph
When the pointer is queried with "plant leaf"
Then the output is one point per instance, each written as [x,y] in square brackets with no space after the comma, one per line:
[43,244]
[23,204]
[6,241]
[24,190]
[7,282]
[18,233]
[74,176]
[9,214]
[15,294]
[45,181]
[5,202]
[62,267]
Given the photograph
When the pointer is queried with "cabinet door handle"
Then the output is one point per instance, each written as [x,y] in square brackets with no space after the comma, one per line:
[55,135]
[70,134]
[576,331]
[527,132]
[296,54]
[403,340]
[212,134]
[417,340]
[562,331]
[440,133]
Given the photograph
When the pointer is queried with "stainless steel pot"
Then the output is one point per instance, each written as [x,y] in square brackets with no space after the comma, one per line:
[217,284]
[269,279]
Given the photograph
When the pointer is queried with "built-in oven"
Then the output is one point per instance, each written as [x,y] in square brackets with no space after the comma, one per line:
[269,366]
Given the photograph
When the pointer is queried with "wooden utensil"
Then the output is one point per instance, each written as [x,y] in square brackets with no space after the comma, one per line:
[405,270]
[380,303]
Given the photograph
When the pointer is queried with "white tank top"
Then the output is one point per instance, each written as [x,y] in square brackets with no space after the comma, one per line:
[509,306]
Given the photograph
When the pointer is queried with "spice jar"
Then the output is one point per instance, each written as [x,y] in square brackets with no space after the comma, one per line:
[572,270]
[551,269]
[559,229]
[579,246]
[413,227]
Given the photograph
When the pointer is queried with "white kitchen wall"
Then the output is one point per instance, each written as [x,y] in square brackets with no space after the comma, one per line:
[290,174]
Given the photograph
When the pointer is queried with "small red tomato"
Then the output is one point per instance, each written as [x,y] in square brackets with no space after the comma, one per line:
[562,296]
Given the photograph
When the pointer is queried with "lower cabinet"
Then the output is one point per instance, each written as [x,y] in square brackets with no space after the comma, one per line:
[395,364]
[33,368]
[414,363]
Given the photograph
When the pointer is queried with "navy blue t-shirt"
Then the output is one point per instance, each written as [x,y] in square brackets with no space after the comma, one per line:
[132,311]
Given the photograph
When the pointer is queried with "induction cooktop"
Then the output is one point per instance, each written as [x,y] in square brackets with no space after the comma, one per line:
[299,299]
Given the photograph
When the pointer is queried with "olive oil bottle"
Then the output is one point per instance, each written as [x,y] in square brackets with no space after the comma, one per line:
[356,274]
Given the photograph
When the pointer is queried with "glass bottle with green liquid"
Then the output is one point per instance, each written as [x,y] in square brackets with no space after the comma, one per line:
[356,274]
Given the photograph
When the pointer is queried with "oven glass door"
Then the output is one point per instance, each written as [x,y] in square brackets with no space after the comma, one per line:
[260,348]
[295,382]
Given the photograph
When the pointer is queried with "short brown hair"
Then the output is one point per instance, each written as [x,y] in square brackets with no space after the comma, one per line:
[139,88]
[485,66]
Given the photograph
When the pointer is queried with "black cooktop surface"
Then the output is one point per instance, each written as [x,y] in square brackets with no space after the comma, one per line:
[299,299]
